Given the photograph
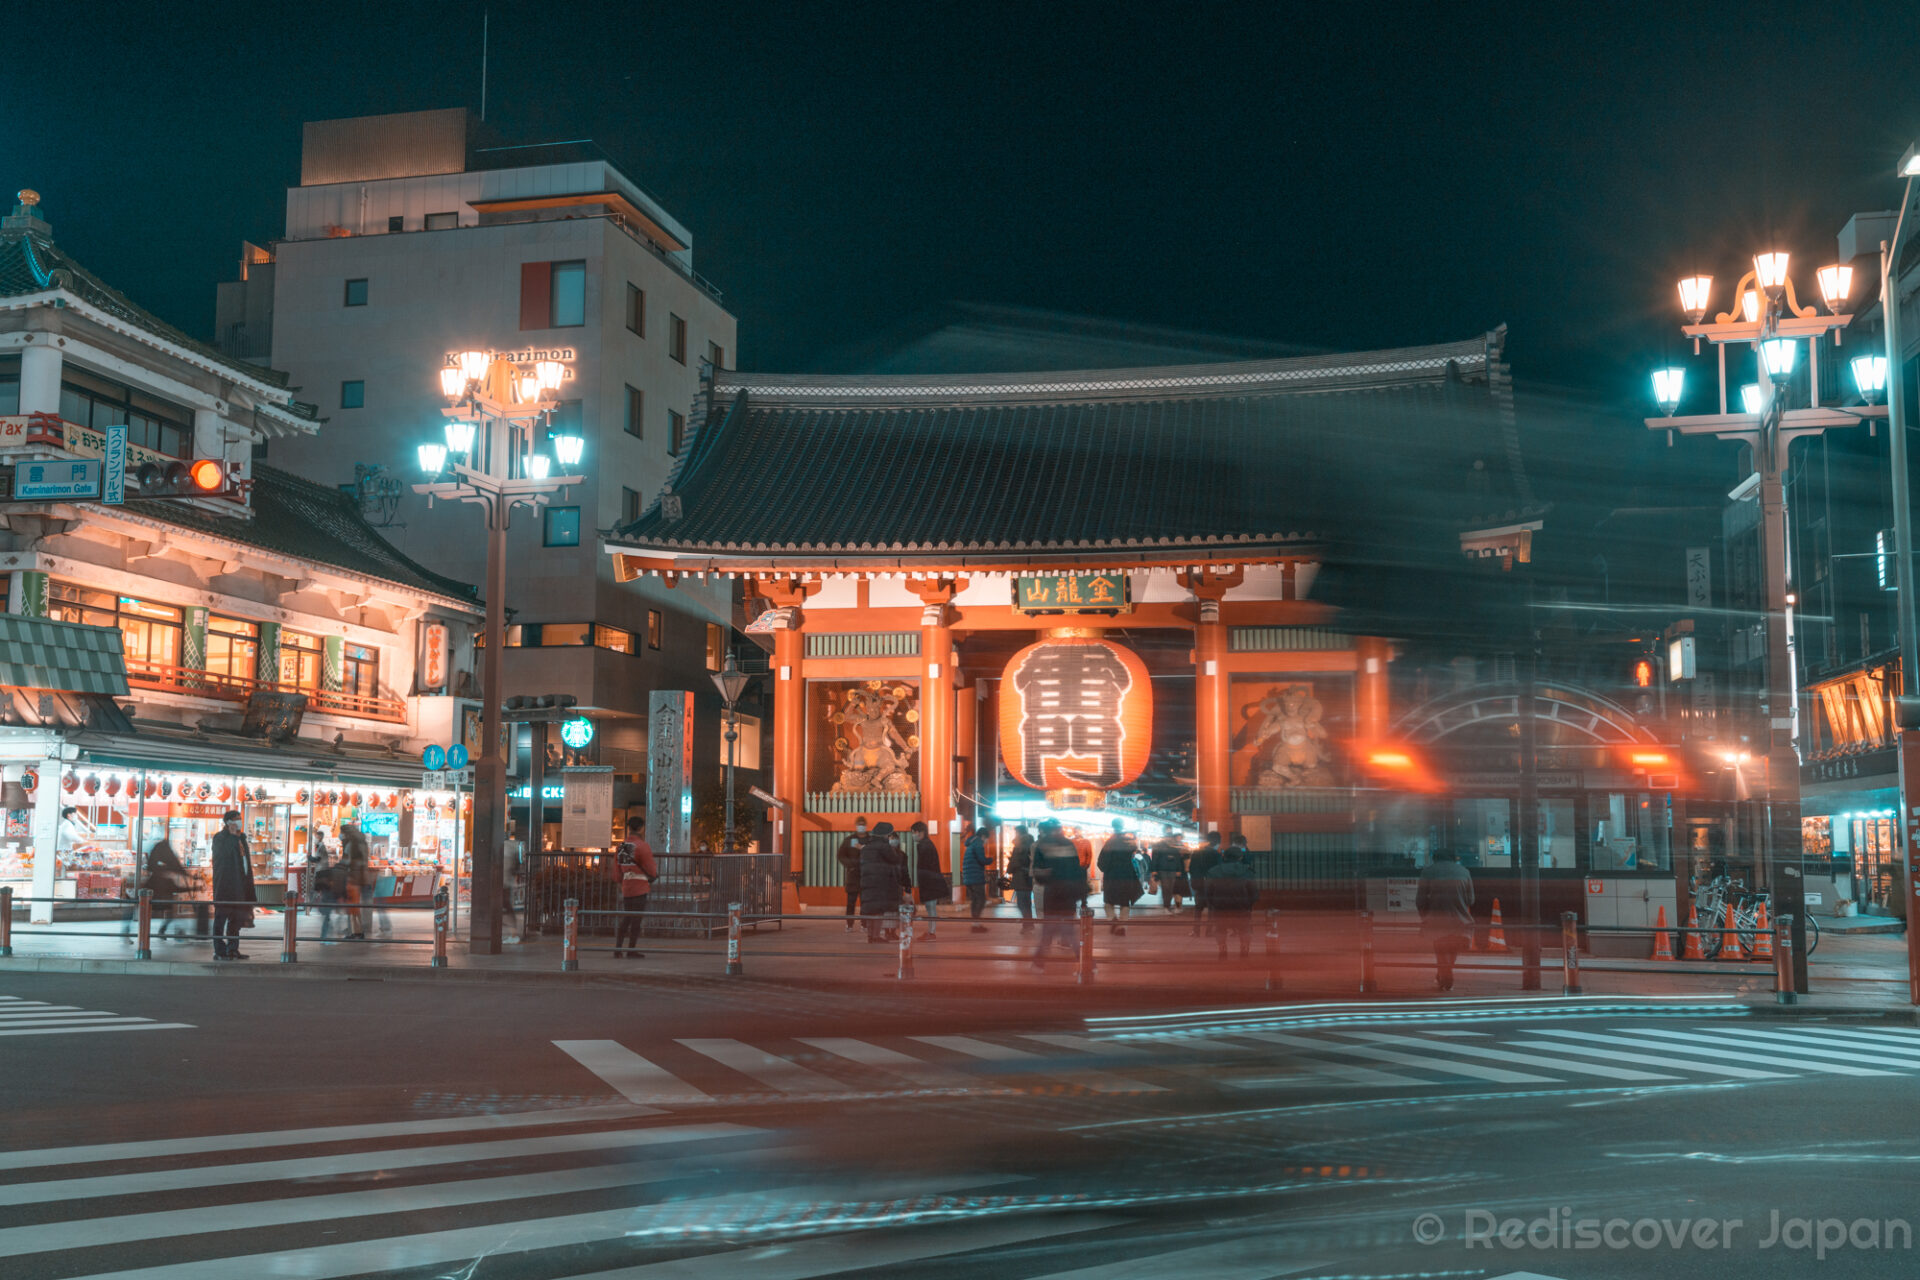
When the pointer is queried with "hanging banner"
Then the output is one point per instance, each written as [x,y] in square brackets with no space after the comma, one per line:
[435,658]
[1075,712]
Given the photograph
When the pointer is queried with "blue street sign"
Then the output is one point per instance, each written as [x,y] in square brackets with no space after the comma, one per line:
[57,479]
[457,756]
[434,757]
[114,463]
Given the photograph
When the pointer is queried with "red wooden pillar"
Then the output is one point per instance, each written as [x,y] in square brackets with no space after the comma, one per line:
[1370,692]
[966,754]
[789,719]
[936,705]
[1212,726]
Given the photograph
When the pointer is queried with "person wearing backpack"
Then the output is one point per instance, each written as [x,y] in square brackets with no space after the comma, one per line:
[637,871]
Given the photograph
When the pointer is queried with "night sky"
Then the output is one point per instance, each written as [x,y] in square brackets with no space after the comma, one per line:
[1332,176]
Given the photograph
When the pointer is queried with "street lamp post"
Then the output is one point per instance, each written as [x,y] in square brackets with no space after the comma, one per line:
[1769,318]
[1888,371]
[731,681]
[490,458]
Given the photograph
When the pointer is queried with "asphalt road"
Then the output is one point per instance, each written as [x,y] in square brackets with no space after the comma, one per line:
[174,1128]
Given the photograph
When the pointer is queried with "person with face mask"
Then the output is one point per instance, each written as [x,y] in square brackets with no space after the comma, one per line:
[848,855]
[883,875]
[233,891]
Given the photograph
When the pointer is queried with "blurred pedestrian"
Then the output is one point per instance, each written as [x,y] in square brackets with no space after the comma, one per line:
[1020,875]
[883,874]
[357,856]
[1170,872]
[848,855]
[1204,860]
[513,869]
[975,868]
[1231,895]
[167,877]
[1445,903]
[1119,877]
[1062,880]
[929,877]
[637,870]
[324,873]
[233,892]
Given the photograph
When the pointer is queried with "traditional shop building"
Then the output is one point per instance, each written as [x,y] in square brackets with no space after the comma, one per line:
[264,649]
[1080,586]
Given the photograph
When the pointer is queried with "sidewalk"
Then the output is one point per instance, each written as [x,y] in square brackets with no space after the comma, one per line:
[1157,961]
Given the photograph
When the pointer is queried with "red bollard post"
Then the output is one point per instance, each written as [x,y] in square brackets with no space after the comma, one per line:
[288,947]
[1570,953]
[734,968]
[570,937]
[1369,985]
[440,928]
[6,921]
[143,916]
[1783,959]
[906,942]
[1086,945]
[1273,950]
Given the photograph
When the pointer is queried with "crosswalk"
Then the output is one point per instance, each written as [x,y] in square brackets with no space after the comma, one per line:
[38,1018]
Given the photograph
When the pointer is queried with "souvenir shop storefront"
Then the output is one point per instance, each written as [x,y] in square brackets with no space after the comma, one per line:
[130,794]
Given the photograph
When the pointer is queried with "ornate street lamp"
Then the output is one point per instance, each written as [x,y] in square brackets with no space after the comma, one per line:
[1667,384]
[1870,376]
[731,681]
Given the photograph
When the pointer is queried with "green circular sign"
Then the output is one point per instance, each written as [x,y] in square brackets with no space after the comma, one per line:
[577,732]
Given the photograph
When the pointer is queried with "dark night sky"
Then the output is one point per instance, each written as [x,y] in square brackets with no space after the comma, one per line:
[1336,176]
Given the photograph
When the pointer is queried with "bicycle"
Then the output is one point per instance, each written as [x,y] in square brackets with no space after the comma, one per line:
[1710,902]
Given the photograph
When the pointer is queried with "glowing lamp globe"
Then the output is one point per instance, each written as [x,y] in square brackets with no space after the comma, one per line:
[1836,282]
[1752,399]
[432,458]
[1696,293]
[1667,384]
[1778,355]
[1076,712]
[1870,375]
[1770,270]
[452,382]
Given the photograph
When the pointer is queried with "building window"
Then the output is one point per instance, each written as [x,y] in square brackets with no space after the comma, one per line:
[353,395]
[442,221]
[716,646]
[629,505]
[569,295]
[356,293]
[561,635]
[9,387]
[396,223]
[152,423]
[636,413]
[676,338]
[716,355]
[360,671]
[233,647]
[302,659]
[150,633]
[618,639]
[562,527]
[653,629]
[636,310]
[676,431]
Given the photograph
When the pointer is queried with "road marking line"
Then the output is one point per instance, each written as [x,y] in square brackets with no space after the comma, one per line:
[40,1010]
[782,1075]
[1498,1075]
[868,1054]
[1083,1044]
[256,1171]
[1818,1047]
[1647,1059]
[1720,1044]
[185,1146]
[81,1030]
[1887,1040]
[1661,1043]
[628,1074]
[987,1051]
[1520,1059]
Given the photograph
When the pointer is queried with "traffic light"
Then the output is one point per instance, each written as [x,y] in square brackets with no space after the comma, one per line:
[199,478]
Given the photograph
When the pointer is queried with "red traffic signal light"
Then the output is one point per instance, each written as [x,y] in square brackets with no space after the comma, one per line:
[201,478]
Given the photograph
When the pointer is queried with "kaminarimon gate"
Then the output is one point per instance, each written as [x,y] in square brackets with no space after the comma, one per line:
[1097,586]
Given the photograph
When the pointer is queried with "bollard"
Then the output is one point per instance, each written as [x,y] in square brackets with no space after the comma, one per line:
[143,918]
[440,928]
[906,942]
[1086,945]
[1569,953]
[1273,950]
[1783,959]
[733,940]
[6,922]
[287,945]
[1368,985]
[570,937]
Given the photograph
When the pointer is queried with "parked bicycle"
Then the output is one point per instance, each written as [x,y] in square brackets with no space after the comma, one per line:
[1710,906]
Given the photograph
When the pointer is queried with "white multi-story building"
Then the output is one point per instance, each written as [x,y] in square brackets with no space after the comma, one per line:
[165,659]
[405,243]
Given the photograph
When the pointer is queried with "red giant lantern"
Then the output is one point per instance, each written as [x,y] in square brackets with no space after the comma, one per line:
[1075,712]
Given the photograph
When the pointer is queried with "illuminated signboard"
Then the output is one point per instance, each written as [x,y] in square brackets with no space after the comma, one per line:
[1075,712]
[577,732]
[1072,593]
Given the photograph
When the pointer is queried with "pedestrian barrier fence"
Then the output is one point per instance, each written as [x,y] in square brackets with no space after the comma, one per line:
[687,898]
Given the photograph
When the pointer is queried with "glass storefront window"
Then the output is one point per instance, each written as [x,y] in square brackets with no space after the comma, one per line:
[361,671]
[1482,831]
[152,632]
[1630,832]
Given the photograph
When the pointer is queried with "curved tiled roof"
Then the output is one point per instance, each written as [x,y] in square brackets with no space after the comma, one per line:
[1260,452]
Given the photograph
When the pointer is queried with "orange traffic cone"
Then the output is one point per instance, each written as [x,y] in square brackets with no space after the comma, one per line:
[1662,940]
[1496,936]
[1730,947]
[1763,936]
[1693,950]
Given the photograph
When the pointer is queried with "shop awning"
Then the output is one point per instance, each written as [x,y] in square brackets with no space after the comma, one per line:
[233,756]
[61,657]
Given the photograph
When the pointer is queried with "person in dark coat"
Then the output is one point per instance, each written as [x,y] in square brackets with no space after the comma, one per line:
[1119,877]
[1204,860]
[975,866]
[167,879]
[232,888]
[1170,872]
[1020,876]
[883,874]
[1445,903]
[1231,895]
[933,884]
[1062,880]
[848,855]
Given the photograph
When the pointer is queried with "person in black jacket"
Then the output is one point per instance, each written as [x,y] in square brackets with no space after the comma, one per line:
[232,888]
[1231,894]
[932,881]
[1063,887]
[1201,866]
[883,874]
[1020,875]
[1119,877]
[848,856]
[1170,872]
